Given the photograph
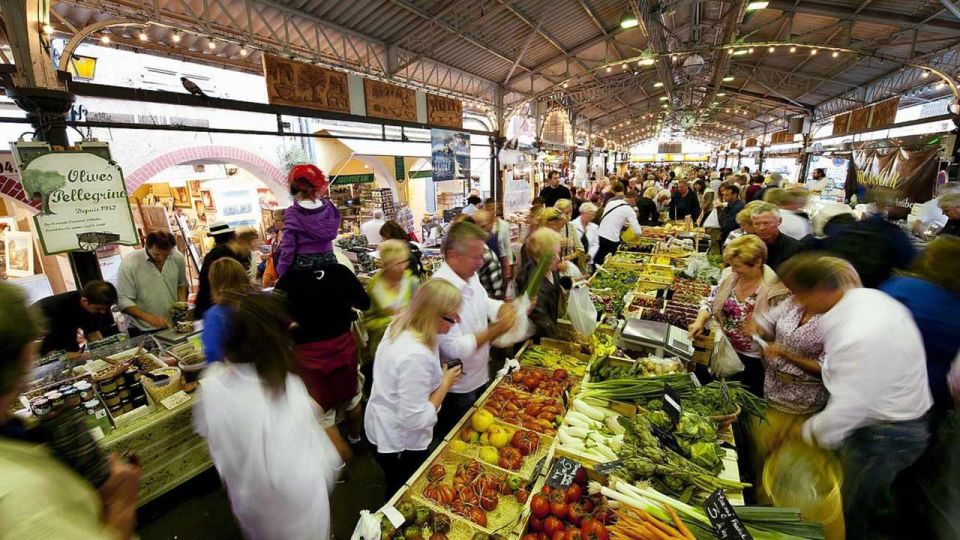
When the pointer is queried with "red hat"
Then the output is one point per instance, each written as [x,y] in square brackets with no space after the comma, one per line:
[310,173]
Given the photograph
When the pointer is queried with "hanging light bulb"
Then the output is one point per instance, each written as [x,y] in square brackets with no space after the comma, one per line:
[771,50]
[211,45]
[105,39]
[925,74]
[176,37]
[728,78]
[750,50]
[608,69]
[243,51]
[144,36]
[658,84]
[47,29]
[565,85]
[835,54]
[793,49]
[813,52]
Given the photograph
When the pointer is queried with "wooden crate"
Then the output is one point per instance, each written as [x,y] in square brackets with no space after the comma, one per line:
[529,462]
[503,520]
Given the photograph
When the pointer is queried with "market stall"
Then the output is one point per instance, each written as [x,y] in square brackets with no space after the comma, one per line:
[600,434]
[135,396]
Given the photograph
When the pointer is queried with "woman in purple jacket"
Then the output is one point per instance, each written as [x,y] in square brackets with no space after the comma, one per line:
[310,224]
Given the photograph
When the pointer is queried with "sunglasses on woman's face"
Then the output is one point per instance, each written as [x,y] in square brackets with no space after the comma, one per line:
[451,320]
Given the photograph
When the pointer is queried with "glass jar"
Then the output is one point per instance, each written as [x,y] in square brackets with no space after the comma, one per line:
[124,392]
[107,385]
[56,399]
[86,391]
[132,375]
[111,399]
[40,406]
[126,405]
[71,397]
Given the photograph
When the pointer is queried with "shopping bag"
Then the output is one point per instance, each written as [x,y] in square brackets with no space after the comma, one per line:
[522,330]
[581,311]
[712,221]
[368,527]
[725,361]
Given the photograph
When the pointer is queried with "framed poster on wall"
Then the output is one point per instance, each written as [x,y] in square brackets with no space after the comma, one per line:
[18,251]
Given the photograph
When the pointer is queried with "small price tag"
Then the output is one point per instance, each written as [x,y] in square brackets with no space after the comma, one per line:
[696,381]
[97,433]
[563,473]
[671,404]
[394,515]
[608,467]
[175,400]
[537,469]
[724,519]
[566,398]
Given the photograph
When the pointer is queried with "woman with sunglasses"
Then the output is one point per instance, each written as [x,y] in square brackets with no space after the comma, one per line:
[409,383]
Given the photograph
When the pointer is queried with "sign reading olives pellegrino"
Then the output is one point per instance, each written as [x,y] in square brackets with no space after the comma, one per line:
[83,195]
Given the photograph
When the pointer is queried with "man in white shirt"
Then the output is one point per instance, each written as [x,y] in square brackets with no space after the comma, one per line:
[371,229]
[791,203]
[617,214]
[481,320]
[875,371]
[473,205]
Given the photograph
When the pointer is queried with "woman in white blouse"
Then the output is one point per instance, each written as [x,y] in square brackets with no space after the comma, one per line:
[277,462]
[409,383]
[588,230]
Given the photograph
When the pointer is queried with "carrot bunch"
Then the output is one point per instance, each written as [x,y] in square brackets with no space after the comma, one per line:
[636,524]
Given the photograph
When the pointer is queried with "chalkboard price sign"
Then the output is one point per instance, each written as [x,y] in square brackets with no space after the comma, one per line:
[536,471]
[724,519]
[563,473]
[671,403]
[608,467]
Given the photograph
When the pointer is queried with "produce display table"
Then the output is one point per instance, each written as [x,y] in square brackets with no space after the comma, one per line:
[169,449]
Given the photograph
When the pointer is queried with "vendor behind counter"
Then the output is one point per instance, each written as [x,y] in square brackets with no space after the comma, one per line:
[86,310]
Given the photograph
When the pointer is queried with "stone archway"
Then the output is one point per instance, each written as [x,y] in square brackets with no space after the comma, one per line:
[267,172]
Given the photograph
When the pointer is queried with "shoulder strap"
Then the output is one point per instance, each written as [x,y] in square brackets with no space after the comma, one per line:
[610,211]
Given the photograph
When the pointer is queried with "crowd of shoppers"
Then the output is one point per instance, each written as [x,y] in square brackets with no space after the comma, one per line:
[853,352]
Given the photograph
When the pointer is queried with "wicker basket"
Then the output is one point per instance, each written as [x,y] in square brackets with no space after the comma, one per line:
[726,420]
[164,389]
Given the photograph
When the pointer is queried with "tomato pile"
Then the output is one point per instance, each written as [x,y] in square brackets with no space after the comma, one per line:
[473,491]
[568,514]
[536,413]
[537,381]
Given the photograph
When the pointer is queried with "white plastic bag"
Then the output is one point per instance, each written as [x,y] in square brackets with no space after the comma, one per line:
[368,527]
[522,329]
[712,221]
[581,311]
[725,360]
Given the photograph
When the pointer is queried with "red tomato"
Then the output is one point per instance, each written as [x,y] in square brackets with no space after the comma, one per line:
[542,536]
[575,514]
[592,529]
[603,515]
[546,489]
[573,534]
[535,525]
[530,536]
[581,477]
[574,493]
[551,525]
[539,506]
[559,509]
[558,535]
[522,495]
[560,374]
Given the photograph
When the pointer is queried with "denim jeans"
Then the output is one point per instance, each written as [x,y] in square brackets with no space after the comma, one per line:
[453,409]
[873,456]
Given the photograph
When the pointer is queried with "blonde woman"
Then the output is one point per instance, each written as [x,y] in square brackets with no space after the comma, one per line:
[571,248]
[390,290]
[547,309]
[227,276]
[409,383]
[752,286]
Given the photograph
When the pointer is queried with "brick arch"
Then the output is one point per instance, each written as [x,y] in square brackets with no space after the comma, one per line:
[11,188]
[267,172]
